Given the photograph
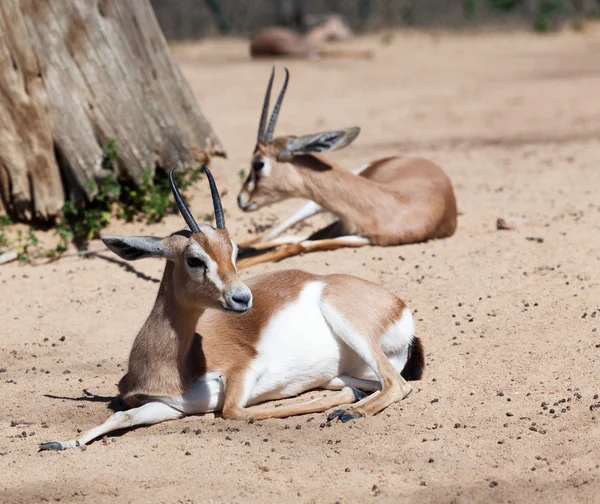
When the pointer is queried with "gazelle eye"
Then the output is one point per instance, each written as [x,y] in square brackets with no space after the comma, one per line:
[194,262]
[258,165]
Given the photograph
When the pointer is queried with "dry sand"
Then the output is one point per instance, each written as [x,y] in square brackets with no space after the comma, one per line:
[509,324]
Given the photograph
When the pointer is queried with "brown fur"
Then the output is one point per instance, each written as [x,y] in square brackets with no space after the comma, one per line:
[166,358]
[372,315]
[276,41]
[394,201]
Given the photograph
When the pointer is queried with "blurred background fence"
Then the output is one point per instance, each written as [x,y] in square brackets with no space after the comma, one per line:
[194,19]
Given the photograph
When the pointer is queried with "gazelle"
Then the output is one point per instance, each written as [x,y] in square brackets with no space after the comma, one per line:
[211,343]
[276,41]
[390,201]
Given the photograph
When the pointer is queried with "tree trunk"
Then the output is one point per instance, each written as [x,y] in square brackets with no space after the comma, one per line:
[75,74]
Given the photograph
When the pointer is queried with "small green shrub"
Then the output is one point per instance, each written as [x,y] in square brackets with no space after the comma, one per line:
[547,12]
[470,8]
[505,5]
[4,241]
[79,223]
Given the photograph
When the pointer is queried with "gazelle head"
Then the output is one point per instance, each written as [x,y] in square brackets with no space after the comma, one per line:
[273,173]
[203,272]
[333,27]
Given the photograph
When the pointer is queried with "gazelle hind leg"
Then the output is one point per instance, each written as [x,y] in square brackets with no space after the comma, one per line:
[304,248]
[150,413]
[393,387]
[346,396]
[349,381]
[276,242]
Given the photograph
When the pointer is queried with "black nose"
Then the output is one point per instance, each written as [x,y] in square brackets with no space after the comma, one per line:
[242,298]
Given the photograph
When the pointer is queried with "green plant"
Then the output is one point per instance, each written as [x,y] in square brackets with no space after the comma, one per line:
[470,7]
[408,15]
[82,221]
[111,153]
[4,241]
[547,11]
[505,5]
[152,200]
[242,174]
[25,242]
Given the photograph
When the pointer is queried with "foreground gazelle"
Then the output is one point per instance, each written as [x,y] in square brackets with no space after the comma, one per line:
[296,331]
[390,201]
[276,41]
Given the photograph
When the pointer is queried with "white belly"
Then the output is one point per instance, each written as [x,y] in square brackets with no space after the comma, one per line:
[297,351]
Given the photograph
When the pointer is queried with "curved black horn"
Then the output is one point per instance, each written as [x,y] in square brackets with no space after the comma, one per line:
[185,211]
[219,217]
[265,111]
[273,121]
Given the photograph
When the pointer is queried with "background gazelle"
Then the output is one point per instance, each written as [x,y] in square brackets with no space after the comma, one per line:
[293,331]
[390,201]
[276,41]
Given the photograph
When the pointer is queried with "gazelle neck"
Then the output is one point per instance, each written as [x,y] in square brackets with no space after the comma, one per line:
[159,362]
[338,191]
[320,34]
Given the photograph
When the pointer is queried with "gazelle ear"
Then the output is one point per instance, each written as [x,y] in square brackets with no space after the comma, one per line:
[322,142]
[132,248]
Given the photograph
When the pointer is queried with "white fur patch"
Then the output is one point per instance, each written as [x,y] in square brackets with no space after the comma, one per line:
[357,342]
[267,167]
[296,352]
[234,254]
[308,210]
[251,185]
[361,169]
[205,395]
[211,265]
[243,199]
[397,338]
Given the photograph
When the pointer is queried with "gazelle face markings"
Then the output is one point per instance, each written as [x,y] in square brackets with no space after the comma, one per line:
[262,167]
[212,273]
[234,254]
[216,274]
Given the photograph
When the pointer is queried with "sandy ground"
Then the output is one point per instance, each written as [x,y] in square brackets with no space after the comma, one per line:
[510,324]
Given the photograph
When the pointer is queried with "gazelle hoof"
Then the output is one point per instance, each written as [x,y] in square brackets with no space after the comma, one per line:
[52,445]
[335,414]
[346,417]
[358,394]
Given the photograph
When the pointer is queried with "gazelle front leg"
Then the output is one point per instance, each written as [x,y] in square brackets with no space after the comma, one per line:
[308,210]
[304,248]
[150,413]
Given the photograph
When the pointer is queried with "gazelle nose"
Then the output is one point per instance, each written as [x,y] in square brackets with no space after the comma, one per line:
[240,201]
[240,299]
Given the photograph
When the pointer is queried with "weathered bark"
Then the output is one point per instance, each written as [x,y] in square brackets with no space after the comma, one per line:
[75,74]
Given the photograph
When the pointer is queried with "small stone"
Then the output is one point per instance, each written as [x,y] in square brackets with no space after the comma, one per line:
[493,484]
